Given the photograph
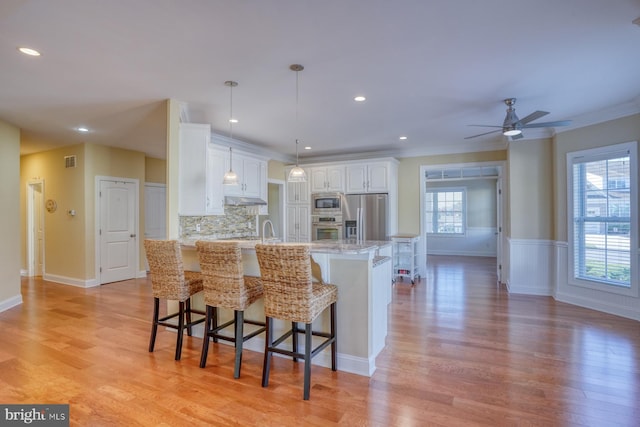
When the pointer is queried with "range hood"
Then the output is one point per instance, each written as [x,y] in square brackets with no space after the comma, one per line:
[243,201]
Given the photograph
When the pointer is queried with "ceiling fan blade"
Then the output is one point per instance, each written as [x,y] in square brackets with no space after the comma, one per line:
[548,124]
[481,134]
[533,116]
[486,126]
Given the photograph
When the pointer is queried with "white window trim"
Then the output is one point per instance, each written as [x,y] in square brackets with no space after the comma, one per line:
[604,153]
[464,210]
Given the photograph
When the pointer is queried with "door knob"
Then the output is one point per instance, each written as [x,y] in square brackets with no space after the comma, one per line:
[132,235]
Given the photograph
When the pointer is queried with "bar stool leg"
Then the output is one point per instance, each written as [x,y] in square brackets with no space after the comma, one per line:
[334,344]
[294,339]
[154,325]
[205,338]
[307,360]
[180,330]
[239,330]
[268,341]
[215,323]
[188,312]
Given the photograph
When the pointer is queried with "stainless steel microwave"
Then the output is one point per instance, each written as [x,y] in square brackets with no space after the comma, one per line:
[326,203]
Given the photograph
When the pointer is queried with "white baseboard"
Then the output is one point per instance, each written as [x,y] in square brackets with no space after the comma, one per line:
[10,302]
[80,283]
[462,253]
[24,272]
[599,305]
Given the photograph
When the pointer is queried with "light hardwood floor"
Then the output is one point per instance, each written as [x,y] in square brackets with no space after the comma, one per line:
[461,351]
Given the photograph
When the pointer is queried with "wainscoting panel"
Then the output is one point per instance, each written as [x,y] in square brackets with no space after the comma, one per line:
[478,241]
[531,266]
[620,305]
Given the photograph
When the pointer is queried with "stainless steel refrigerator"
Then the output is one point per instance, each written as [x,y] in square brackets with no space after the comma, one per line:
[366,216]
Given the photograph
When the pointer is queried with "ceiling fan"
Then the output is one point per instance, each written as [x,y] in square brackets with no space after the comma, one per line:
[513,126]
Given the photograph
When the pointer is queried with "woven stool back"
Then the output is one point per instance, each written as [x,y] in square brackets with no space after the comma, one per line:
[286,277]
[167,271]
[222,275]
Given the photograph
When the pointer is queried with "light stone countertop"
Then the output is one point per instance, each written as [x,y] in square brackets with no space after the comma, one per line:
[351,247]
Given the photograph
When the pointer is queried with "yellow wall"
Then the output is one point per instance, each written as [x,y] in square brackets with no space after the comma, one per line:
[173,145]
[65,250]
[70,241]
[531,189]
[111,162]
[10,217]
[275,170]
[409,182]
[155,170]
[612,132]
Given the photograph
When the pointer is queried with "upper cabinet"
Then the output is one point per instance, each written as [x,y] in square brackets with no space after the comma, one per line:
[297,192]
[368,177]
[198,191]
[250,171]
[327,179]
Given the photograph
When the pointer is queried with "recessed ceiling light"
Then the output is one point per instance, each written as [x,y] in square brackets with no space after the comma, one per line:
[403,138]
[233,120]
[82,129]
[307,148]
[359,98]
[29,51]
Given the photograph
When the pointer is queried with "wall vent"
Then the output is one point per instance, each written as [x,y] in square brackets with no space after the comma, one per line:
[70,161]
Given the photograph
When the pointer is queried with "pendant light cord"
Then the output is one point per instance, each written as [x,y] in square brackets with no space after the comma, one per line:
[297,125]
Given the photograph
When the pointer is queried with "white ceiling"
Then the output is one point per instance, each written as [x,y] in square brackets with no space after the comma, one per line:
[427,68]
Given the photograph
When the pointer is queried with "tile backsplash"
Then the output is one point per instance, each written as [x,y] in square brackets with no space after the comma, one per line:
[238,221]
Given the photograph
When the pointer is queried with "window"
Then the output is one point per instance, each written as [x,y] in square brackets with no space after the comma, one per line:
[446,211]
[603,218]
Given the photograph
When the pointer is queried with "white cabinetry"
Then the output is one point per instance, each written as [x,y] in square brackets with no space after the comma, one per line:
[251,173]
[368,177]
[297,192]
[298,223]
[199,193]
[327,179]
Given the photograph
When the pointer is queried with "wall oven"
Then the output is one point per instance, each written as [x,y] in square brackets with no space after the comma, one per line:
[326,203]
[326,227]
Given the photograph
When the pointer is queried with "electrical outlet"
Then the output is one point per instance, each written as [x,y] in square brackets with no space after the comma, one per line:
[198,227]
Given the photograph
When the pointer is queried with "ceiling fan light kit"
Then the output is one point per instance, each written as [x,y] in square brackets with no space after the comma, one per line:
[512,125]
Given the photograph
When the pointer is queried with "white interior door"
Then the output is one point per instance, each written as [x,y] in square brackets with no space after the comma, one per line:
[118,234]
[36,229]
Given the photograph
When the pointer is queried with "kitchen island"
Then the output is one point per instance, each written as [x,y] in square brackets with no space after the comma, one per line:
[363,273]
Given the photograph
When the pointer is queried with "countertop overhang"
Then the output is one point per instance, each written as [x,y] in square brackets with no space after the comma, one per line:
[346,246]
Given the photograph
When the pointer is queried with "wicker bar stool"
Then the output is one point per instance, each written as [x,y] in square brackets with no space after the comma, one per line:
[290,294]
[170,281]
[225,286]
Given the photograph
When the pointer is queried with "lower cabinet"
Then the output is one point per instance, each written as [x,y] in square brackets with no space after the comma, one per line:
[298,223]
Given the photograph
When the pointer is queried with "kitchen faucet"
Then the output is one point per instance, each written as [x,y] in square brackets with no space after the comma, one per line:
[264,227]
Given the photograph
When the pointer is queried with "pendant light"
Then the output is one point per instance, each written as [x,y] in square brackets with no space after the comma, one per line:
[230,178]
[297,174]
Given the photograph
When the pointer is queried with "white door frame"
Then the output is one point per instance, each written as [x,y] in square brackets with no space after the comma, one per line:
[282,188]
[136,223]
[501,166]
[32,219]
